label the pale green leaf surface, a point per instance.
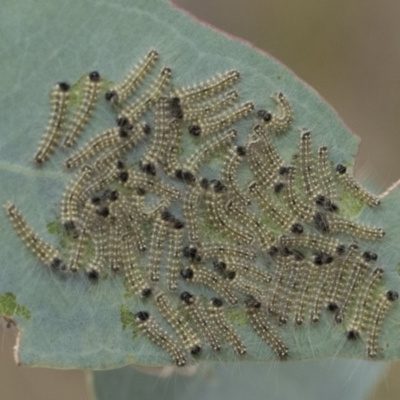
(308, 380)
(71, 322)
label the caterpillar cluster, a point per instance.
(266, 246)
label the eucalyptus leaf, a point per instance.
(67, 321)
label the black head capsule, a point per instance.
(146, 293)
(241, 151)
(273, 251)
(179, 174)
(140, 191)
(341, 249)
(94, 76)
(326, 203)
(71, 229)
(332, 307)
(128, 127)
(70, 226)
(123, 121)
(187, 297)
(119, 164)
(278, 187)
(186, 273)
(92, 275)
(297, 228)
(321, 222)
(370, 256)
(341, 169)
(167, 216)
(176, 108)
(123, 132)
(286, 252)
(231, 275)
(175, 102)
(177, 113)
(58, 264)
(352, 335)
(64, 86)
(195, 350)
(96, 200)
(123, 176)
(264, 115)
(204, 183)
(216, 302)
(322, 258)
(142, 316)
(179, 224)
(328, 259)
(283, 171)
(103, 212)
(257, 304)
(186, 251)
(320, 200)
(219, 266)
(392, 295)
(318, 259)
(194, 130)
(218, 186)
(252, 302)
(185, 176)
(332, 207)
(146, 129)
(113, 195)
(188, 177)
(111, 95)
(192, 253)
(148, 168)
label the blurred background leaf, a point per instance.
(307, 380)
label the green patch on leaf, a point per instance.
(9, 307)
(54, 228)
(351, 207)
(127, 318)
